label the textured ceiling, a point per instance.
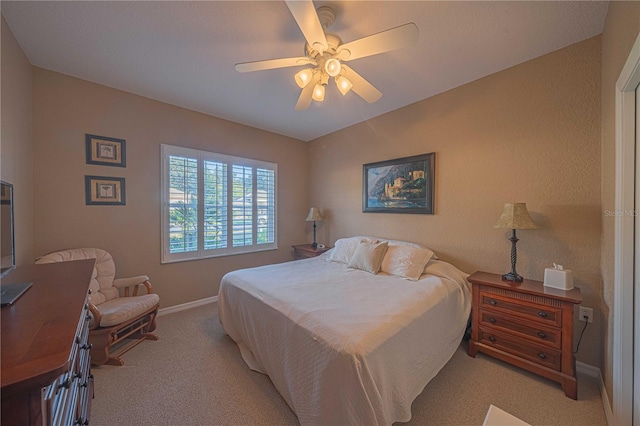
(184, 52)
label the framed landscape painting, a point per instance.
(402, 185)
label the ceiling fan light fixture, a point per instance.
(318, 93)
(344, 85)
(303, 77)
(332, 67)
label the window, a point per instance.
(215, 204)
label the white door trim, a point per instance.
(623, 335)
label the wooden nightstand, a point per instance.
(305, 251)
(527, 325)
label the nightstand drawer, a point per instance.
(534, 353)
(299, 254)
(521, 308)
(306, 251)
(522, 328)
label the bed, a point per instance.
(341, 344)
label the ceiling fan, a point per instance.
(325, 54)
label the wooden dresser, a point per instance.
(46, 377)
(527, 325)
(305, 251)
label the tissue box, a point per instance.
(562, 279)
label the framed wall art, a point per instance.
(104, 191)
(105, 151)
(402, 185)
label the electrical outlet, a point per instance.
(586, 312)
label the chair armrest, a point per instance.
(134, 282)
(95, 313)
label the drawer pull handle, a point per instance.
(542, 314)
(542, 355)
(493, 302)
(493, 339)
(492, 320)
(542, 334)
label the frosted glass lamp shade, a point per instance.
(344, 85)
(332, 67)
(318, 93)
(303, 77)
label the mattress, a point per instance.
(343, 346)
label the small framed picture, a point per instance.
(104, 191)
(105, 151)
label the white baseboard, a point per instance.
(592, 371)
(188, 305)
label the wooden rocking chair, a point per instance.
(117, 312)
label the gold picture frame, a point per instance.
(104, 191)
(105, 151)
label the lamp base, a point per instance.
(314, 244)
(512, 277)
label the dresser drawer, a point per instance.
(536, 353)
(66, 400)
(536, 332)
(549, 315)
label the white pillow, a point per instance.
(406, 261)
(406, 243)
(368, 256)
(344, 248)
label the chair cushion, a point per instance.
(104, 272)
(123, 309)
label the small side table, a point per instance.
(305, 251)
(527, 325)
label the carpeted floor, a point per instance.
(194, 375)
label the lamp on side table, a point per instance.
(314, 215)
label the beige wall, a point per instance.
(16, 145)
(620, 32)
(66, 108)
(528, 134)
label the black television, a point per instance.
(7, 239)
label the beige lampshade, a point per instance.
(314, 215)
(515, 216)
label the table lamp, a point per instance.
(314, 215)
(514, 216)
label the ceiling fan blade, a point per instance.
(361, 86)
(305, 96)
(273, 63)
(395, 38)
(304, 12)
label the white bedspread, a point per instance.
(343, 346)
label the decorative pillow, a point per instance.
(406, 261)
(406, 243)
(344, 248)
(368, 256)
